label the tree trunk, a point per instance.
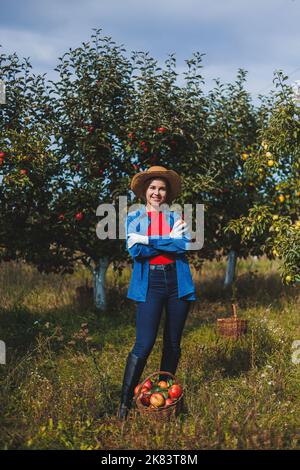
(99, 283)
(230, 268)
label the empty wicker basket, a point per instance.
(232, 327)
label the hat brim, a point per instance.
(137, 182)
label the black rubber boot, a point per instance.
(133, 371)
(169, 363)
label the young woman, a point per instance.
(157, 239)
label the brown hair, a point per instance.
(148, 181)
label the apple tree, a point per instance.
(91, 95)
(275, 161)
(27, 165)
(230, 130)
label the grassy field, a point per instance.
(60, 387)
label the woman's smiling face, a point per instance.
(156, 194)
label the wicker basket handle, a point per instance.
(161, 372)
(234, 308)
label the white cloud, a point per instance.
(28, 44)
(259, 36)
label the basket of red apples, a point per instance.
(159, 399)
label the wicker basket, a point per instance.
(163, 413)
(232, 327)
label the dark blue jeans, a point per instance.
(162, 292)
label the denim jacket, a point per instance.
(138, 222)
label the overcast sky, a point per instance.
(257, 35)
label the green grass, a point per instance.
(60, 387)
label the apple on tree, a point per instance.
(79, 216)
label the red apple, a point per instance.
(175, 391)
(148, 384)
(91, 129)
(145, 399)
(2, 154)
(23, 172)
(136, 389)
(130, 135)
(169, 401)
(142, 143)
(163, 384)
(143, 389)
(61, 216)
(157, 399)
(161, 129)
(145, 149)
(79, 216)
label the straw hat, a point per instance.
(137, 182)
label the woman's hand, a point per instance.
(179, 228)
(137, 238)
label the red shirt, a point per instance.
(159, 226)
